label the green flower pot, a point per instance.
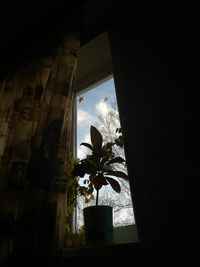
(98, 222)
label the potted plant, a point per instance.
(99, 168)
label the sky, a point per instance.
(96, 101)
(90, 104)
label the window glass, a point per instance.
(98, 106)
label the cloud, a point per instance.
(102, 107)
(82, 150)
(84, 116)
(109, 116)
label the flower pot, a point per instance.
(98, 222)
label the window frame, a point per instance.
(95, 76)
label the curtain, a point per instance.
(36, 106)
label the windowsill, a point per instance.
(100, 251)
(142, 254)
(125, 237)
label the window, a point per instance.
(96, 105)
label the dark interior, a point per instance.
(155, 72)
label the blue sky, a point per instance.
(95, 102)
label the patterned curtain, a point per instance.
(36, 106)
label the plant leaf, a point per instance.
(79, 170)
(104, 160)
(116, 160)
(102, 180)
(96, 138)
(97, 184)
(115, 185)
(106, 168)
(118, 174)
(87, 145)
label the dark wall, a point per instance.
(155, 76)
(30, 29)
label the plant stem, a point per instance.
(97, 198)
